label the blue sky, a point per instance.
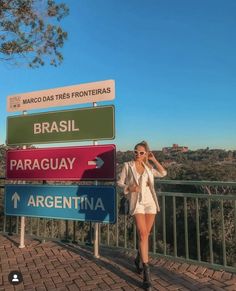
(173, 62)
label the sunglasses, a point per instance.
(140, 153)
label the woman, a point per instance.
(137, 181)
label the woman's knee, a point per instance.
(143, 234)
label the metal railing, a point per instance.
(209, 232)
(193, 227)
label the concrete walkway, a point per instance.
(57, 266)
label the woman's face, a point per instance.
(140, 153)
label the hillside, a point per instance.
(202, 164)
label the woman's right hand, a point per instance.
(134, 188)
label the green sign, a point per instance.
(94, 123)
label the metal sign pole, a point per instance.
(22, 220)
(22, 232)
(96, 226)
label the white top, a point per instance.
(145, 195)
(128, 177)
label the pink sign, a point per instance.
(66, 163)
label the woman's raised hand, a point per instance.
(151, 156)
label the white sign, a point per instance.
(63, 96)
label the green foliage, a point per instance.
(210, 165)
(29, 32)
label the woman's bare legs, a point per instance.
(150, 218)
(144, 223)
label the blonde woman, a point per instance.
(137, 181)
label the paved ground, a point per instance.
(56, 266)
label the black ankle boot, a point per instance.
(138, 263)
(146, 276)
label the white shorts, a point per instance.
(145, 208)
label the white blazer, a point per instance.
(128, 177)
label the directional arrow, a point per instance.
(15, 198)
(98, 162)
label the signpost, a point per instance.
(66, 163)
(83, 203)
(64, 96)
(61, 126)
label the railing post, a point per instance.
(198, 232)
(67, 231)
(186, 229)
(223, 231)
(4, 223)
(74, 241)
(117, 223)
(38, 226)
(108, 235)
(17, 225)
(135, 237)
(90, 233)
(31, 227)
(43, 239)
(164, 221)
(210, 230)
(10, 226)
(174, 226)
(52, 228)
(59, 229)
(125, 231)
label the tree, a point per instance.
(29, 32)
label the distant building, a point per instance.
(175, 148)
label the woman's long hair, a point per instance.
(147, 149)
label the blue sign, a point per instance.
(84, 203)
